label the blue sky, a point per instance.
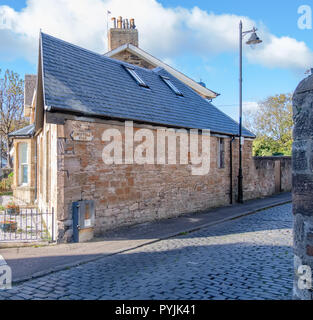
(201, 42)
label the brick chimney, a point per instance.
(123, 32)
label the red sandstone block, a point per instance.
(114, 184)
(93, 178)
(111, 198)
(120, 191)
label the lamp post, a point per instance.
(1, 152)
(254, 40)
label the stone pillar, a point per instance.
(303, 189)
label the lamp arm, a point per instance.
(249, 31)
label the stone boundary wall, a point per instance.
(268, 176)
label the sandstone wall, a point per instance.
(133, 59)
(25, 194)
(129, 194)
(47, 168)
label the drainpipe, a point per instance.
(231, 169)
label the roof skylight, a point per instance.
(137, 78)
(171, 85)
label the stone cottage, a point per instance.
(78, 95)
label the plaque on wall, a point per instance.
(81, 136)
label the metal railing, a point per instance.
(26, 225)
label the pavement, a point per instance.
(33, 262)
(249, 258)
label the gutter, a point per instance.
(24, 136)
(104, 117)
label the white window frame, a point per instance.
(137, 78)
(172, 86)
(22, 165)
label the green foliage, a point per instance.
(6, 184)
(272, 123)
(265, 147)
(11, 109)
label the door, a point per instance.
(277, 177)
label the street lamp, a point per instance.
(254, 40)
(1, 152)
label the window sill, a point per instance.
(23, 185)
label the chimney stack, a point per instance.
(122, 32)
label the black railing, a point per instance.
(26, 225)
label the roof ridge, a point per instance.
(122, 63)
(71, 44)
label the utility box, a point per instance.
(83, 220)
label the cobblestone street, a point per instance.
(247, 258)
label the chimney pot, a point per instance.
(132, 24)
(114, 22)
(119, 22)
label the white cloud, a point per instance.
(284, 52)
(164, 32)
(250, 106)
(81, 22)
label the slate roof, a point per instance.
(80, 81)
(25, 132)
(29, 88)
(153, 61)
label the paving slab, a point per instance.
(32, 262)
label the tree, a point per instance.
(11, 108)
(272, 123)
